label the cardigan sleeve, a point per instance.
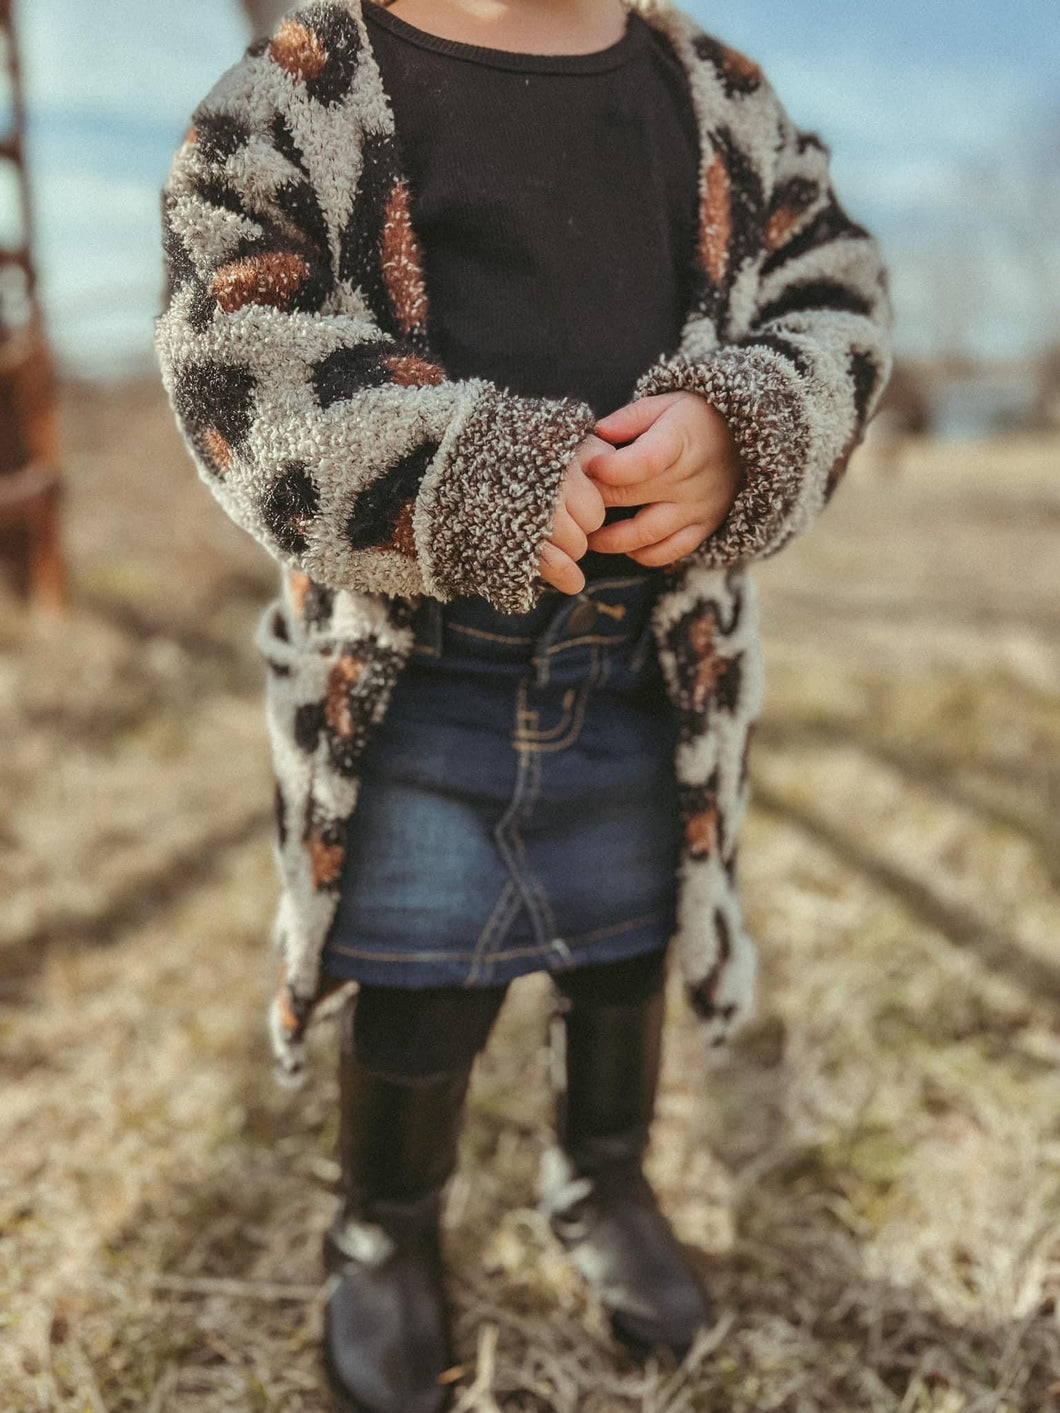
(292, 345)
(800, 382)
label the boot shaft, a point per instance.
(606, 1063)
(398, 1136)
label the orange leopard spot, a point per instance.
(403, 540)
(709, 665)
(740, 66)
(338, 710)
(715, 220)
(298, 585)
(325, 859)
(402, 267)
(284, 1010)
(701, 635)
(261, 279)
(701, 832)
(838, 468)
(220, 451)
(780, 226)
(410, 371)
(707, 673)
(297, 50)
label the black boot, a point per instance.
(386, 1324)
(593, 1189)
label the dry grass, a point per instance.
(871, 1181)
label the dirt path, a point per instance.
(873, 1178)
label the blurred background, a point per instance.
(873, 1177)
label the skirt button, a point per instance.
(582, 617)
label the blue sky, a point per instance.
(931, 109)
(916, 85)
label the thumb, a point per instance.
(633, 420)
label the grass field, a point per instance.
(871, 1180)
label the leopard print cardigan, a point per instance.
(293, 347)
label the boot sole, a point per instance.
(341, 1400)
(642, 1350)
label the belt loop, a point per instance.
(548, 634)
(428, 627)
(435, 625)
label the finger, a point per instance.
(583, 499)
(674, 547)
(653, 523)
(657, 454)
(559, 570)
(590, 446)
(636, 493)
(566, 534)
(634, 419)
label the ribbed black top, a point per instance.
(555, 197)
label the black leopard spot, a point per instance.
(738, 74)
(347, 370)
(785, 347)
(215, 403)
(288, 507)
(865, 374)
(814, 294)
(284, 142)
(220, 135)
(280, 807)
(360, 254)
(308, 724)
(318, 46)
(830, 223)
(376, 509)
(727, 690)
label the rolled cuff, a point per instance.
(482, 516)
(753, 389)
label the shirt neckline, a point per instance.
(595, 62)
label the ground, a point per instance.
(871, 1181)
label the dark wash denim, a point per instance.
(518, 805)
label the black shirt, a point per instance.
(555, 198)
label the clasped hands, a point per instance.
(674, 455)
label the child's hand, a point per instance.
(682, 466)
(579, 509)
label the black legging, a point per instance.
(399, 1030)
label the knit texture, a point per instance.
(294, 350)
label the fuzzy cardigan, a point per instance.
(293, 347)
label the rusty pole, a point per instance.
(30, 482)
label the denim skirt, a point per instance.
(518, 804)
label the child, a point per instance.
(514, 332)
